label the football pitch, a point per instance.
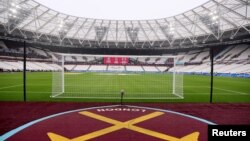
(105, 87)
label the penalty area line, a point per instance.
(10, 86)
(242, 93)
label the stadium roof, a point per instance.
(122, 9)
(210, 21)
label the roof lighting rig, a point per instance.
(16, 15)
(212, 22)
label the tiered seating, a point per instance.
(244, 55)
(245, 68)
(3, 46)
(223, 53)
(81, 68)
(16, 65)
(39, 52)
(134, 68)
(9, 66)
(55, 66)
(32, 66)
(232, 53)
(98, 68)
(80, 59)
(150, 69)
(189, 55)
(229, 68)
(69, 67)
(237, 51)
(116, 68)
(69, 59)
(200, 56)
(160, 61)
(233, 59)
(90, 58)
(45, 66)
(151, 60)
(162, 69)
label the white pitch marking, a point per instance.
(10, 86)
(242, 93)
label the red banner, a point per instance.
(115, 60)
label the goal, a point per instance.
(105, 76)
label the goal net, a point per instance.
(105, 76)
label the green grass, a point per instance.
(196, 88)
(108, 85)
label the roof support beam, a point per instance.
(194, 22)
(34, 8)
(133, 33)
(144, 32)
(231, 10)
(184, 26)
(6, 9)
(126, 35)
(243, 2)
(35, 19)
(47, 22)
(157, 36)
(231, 23)
(164, 33)
(59, 34)
(56, 26)
(73, 23)
(106, 40)
(116, 33)
(102, 33)
(85, 36)
(77, 31)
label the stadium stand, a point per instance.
(82, 68)
(134, 68)
(150, 69)
(234, 59)
(98, 67)
(116, 68)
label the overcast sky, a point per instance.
(122, 9)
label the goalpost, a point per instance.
(104, 76)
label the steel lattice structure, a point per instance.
(213, 21)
